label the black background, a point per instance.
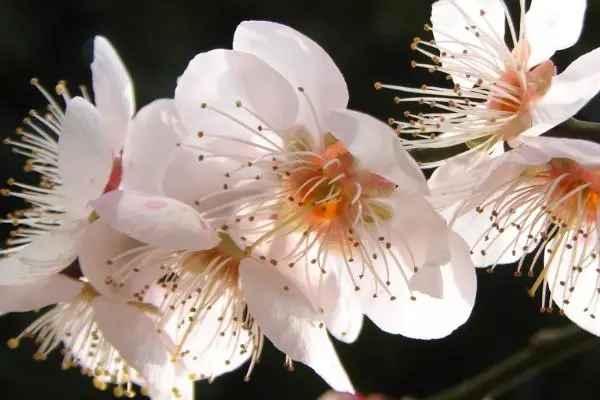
(369, 40)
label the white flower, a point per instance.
(540, 198)
(77, 154)
(336, 202)
(110, 340)
(501, 91)
(218, 302)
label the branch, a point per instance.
(548, 348)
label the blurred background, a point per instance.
(369, 40)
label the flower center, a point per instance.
(576, 194)
(518, 88)
(327, 192)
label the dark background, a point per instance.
(369, 40)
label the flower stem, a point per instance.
(577, 129)
(547, 348)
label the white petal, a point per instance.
(376, 149)
(418, 231)
(583, 151)
(449, 19)
(569, 92)
(430, 317)
(289, 320)
(38, 294)
(552, 25)
(301, 61)
(215, 342)
(428, 281)
(46, 255)
(319, 278)
(85, 159)
(187, 179)
(240, 93)
(520, 234)
(575, 293)
(151, 146)
(101, 243)
(457, 179)
(156, 220)
(133, 334)
(113, 91)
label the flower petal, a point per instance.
(230, 94)
(187, 179)
(85, 159)
(101, 255)
(155, 220)
(214, 343)
(301, 61)
(113, 91)
(46, 255)
(377, 149)
(449, 19)
(444, 312)
(418, 231)
(133, 333)
(552, 25)
(584, 152)
(38, 294)
(318, 277)
(574, 290)
(289, 320)
(150, 146)
(569, 92)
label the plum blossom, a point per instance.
(502, 91)
(77, 155)
(541, 199)
(112, 341)
(335, 202)
(218, 302)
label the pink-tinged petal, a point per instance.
(288, 318)
(430, 315)
(301, 61)
(574, 291)
(552, 25)
(38, 294)
(85, 158)
(376, 149)
(418, 231)
(449, 19)
(133, 333)
(47, 255)
(151, 146)
(155, 220)
(113, 91)
(583, 151)
(569, 92)
(104, 251)
(229, 93)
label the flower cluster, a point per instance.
(167, 244)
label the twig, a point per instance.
(548, 348)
